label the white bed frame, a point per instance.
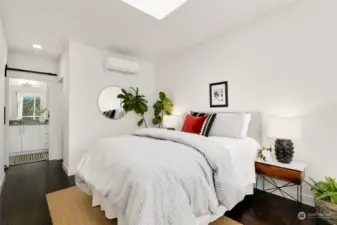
(112, 213)
(254, 131)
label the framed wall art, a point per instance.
(218, 93)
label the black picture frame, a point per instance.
(212, 104)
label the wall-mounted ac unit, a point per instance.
(122, 65)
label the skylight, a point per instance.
(156, 8)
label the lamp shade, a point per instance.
(284, 128)
(170, 121)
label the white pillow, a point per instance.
(234, 125)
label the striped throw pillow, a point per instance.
(208, 122)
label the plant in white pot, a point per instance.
(325, 194)
(44, 115)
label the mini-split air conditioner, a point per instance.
(122, 65)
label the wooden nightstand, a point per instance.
(292, 173)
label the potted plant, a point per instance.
(264, 153)
(134, 102)
(163, 105)
(325, 194)
(42, 112)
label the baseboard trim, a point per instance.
(65, 168)
(2, 181)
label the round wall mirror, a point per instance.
(109, 104)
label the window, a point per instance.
(31, 107)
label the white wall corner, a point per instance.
(2, 181)
(3, 61)
(71, 171)
(65, 168)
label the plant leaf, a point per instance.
(327, 194)
(334, 199)
(143, 107)
(130, 102)
(124, 91)
(316, 193)
(157, 111)
(168, 106)
(162, 96)
(313, 181)
(332, 183)
(140, 122)
(322, 186)
(130, 96)
(156, 120)
(310, 185)
(121, 96)
(142, 100)
(138, 110)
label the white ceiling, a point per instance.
(116, 25)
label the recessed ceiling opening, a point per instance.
(159, 9)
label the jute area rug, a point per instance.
(73, 207)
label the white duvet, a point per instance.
(159, 177)
(243, 153)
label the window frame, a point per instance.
(34, 96)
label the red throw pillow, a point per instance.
(193, 124)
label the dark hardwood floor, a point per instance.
(263, 209)
(23, 201)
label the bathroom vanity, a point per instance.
(27, 137)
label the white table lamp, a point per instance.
(170, 121)
(284, 130)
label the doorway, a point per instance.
(28, 121)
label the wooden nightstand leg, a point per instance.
(301, 193)
(257, 180)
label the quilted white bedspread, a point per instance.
(162, 177)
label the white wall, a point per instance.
(37, 63)
(3, 61)
(33, 62)
(64, 73)
(87, 79)
(55, 121)
(284, 64)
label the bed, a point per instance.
(180, 179)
